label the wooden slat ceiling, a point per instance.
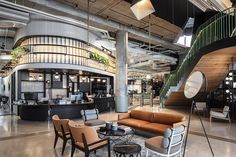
(119, 11)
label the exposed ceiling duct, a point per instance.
(57, 6)
(7, 32)
(135, 50)
(11, 24)
(15, 15)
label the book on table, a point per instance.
(124, 128)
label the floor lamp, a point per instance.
(193, 85)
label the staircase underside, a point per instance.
(215, 66)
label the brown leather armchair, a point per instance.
(61, 130)
(86, 139)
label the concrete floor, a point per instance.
(35, 139)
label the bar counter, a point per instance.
(70, 111)
(41, 112)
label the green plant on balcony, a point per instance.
(99, 58)
(17, 53)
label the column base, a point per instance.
(122, 103)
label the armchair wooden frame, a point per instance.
(86, 149)
(78, 136)
(65, 136)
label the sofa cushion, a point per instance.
(167, 118)
(142, 115)
(156, 127)
(136, 123)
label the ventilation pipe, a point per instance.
(7, 33)
(15, 15)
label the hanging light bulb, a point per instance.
(227, 82)
(148, 76)
(230, 78)
(230, 73)
(40, 77)
(56, 76)
(31, 78)
(227, 91)
(99, 80)
(227, 78)
(72, 77)
(104, 81)
(91, 79)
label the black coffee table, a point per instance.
(116, 135)
(131, 149)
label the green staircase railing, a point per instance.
(220, 26)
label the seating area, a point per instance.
(86, 137)
(117, 78)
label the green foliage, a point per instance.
(97, 57)
(17, 53)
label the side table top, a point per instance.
(127, 148)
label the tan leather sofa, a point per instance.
(154, 122)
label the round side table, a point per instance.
(129, 149)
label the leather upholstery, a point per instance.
(90, 134)
(135, 123)
(142, 115)
(167, 118)
(156, 127)
(58, 122)
(149, 121)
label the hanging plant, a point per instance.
(17, 53)
(95, 56)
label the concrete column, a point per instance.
(121, 71)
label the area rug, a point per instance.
(136, 139)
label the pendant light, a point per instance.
(142, 8)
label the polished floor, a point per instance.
(35, 139)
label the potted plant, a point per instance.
(17, 53)
(99, 58)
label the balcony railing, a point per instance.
(220, 26)
(63, 58)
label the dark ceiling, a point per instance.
(174, 11)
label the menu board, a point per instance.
(27, 86)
